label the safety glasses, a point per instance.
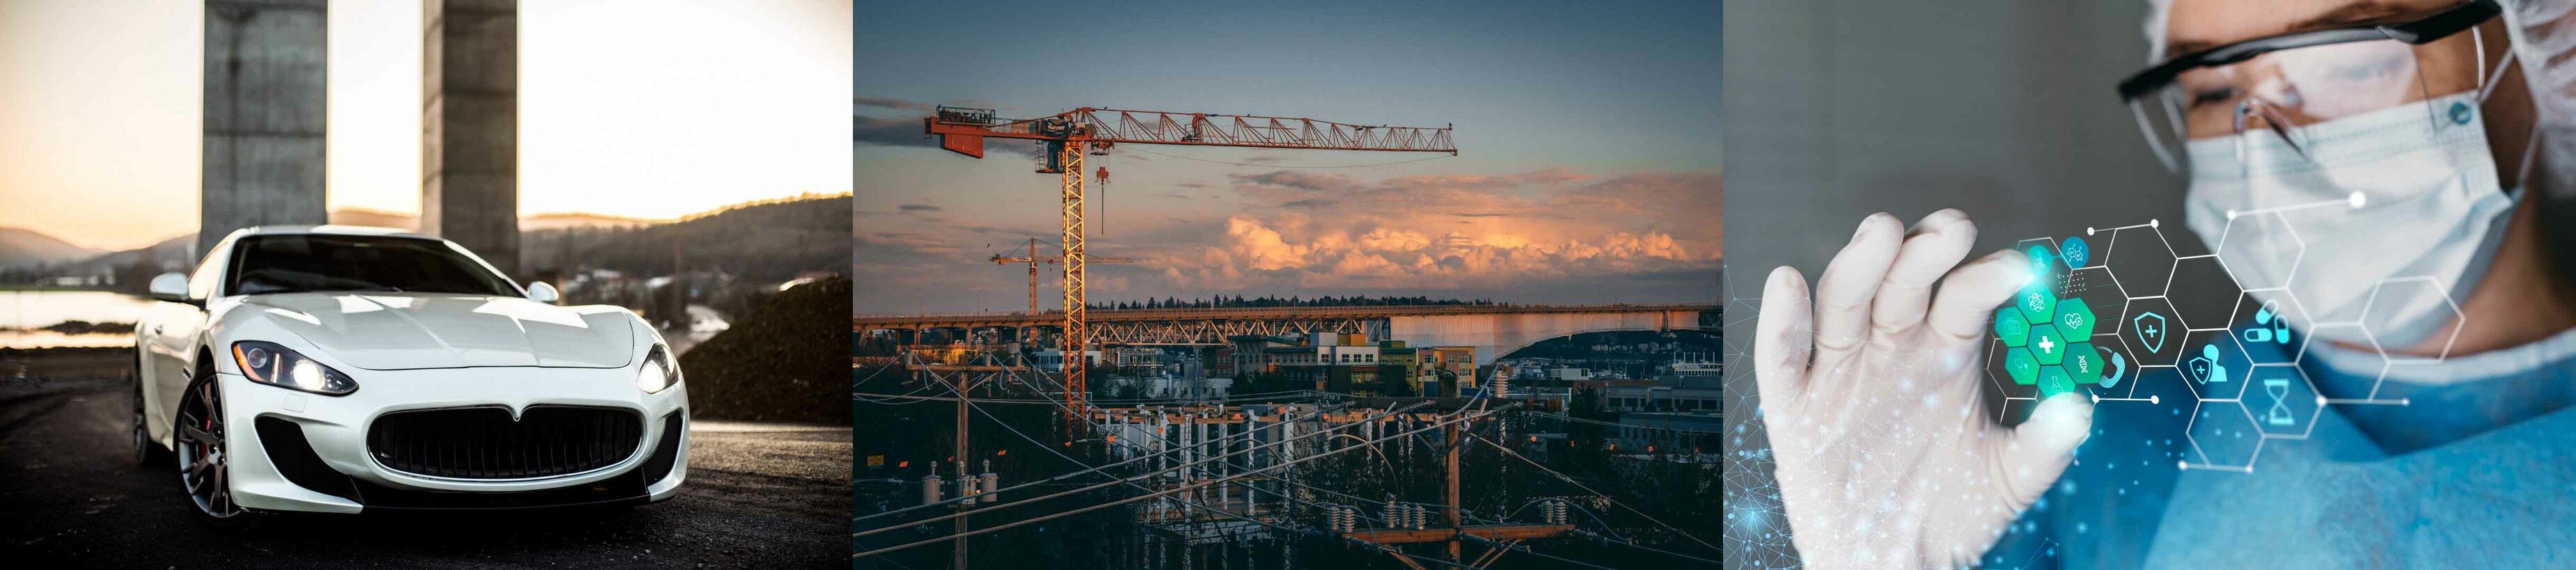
(2283, 83)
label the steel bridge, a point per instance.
(1495, 330)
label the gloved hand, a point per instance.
(1885, 456)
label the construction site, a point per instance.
(1041, 439)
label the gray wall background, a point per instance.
(1836, 109)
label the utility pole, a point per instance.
(957, 559)
(961, 379)
(1452, 491)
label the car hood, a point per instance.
(404, 331)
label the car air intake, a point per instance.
(484, 442)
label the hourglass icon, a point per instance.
(2279, 415)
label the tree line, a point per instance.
(1239, 301)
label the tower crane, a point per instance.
(1033, 259)
(1069, 135)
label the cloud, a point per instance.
(1552, 235)
(888, 132)
(1329, 231)
(895, 104)
(920, 208)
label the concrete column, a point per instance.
(264, 116)
(469, 188)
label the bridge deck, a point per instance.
(1022, 319)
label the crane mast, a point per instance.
(1071, 135)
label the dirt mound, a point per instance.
(781, 363)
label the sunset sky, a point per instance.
(648, 108)
(1588, 169)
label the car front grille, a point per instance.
(484, 442)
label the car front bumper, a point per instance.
(299, 451)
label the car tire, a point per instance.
(147, 453)
(200, 433)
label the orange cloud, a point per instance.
(1327, 231)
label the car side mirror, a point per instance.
(543, 292)
(170, 287)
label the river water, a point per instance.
(24, 315)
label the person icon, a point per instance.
(2206, 367)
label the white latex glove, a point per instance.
(1885, 457)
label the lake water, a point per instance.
(24, 313)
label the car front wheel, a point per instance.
(204, 457)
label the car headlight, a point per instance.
(268, 363)
(658, 372)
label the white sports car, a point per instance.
(340, 369)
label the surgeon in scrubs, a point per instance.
(2368, 170)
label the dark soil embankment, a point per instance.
(781, 363)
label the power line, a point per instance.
(1479, 400)
(1318, 413)
(1587, 489)
(1183, 488)
(1138, 477)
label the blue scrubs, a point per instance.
(2479, 470)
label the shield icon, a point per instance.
(2151, 330)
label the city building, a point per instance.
(1348, 363)
(1651, 397)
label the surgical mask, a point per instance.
(2382, 220)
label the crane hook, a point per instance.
(1103, 175)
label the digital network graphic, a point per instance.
(2121, 316)
(2048, 341)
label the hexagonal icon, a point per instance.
(2048, 344)
(2117, 367)
(2201, 292)
(2011, 327)
(2151, 332)
(2084, 363)
(2054, 380)
(2141, 258)
(2023, 368)
(2042, 263)
(2252, 249)
(2266, 325)
(2214, 366)
(2406, 317)
(2281, 400)
(2037, 303)
(2074, 251)
(2075, 319)
(2223, 435)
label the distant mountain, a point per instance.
(23, 247)
(171, 254)
(529, 223)
(377, 218)
(761, 241)
(570, 220)
(768, 241)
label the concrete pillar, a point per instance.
(469, 163)
(264, 116)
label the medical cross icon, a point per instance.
(2151, 331)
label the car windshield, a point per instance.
(293, 263)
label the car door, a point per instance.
(175, 327)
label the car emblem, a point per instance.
(2151, 331)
